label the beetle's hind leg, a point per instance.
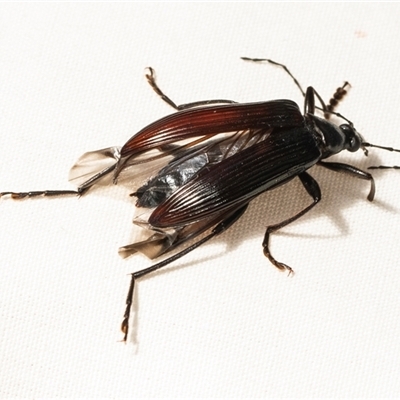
(312, 187)
(151, 78)
(82, 189)
(225, 223)
(47, 193)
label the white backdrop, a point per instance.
(221, 321)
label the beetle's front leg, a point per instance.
(352, 171)
(312, 187)
(151, 78)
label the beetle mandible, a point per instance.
(191, 183)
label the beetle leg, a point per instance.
(82, 189)
(155, 267)
(312, 187)
(353, 171)
(152, 82)
(220, 228)
(48, 193)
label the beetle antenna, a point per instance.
(333, 102)
(279, 65)
(336, 98)
(364, 145)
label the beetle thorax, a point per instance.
(335, 138)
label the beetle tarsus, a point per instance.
(44, 193)
(124, 329)
(151, 79)
(281, 266)
(129, 301)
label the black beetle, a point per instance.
(202, 165)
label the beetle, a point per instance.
(196, 171)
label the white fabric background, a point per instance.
(221, 321)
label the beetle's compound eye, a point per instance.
(353, 138)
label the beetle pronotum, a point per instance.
(192, 183)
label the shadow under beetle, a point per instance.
(197, 170)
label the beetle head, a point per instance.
(353, 140)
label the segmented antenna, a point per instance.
(335, 99)
(328, 110)
(366, 144)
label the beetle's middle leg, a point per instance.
(312, 187)
(152, 82)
